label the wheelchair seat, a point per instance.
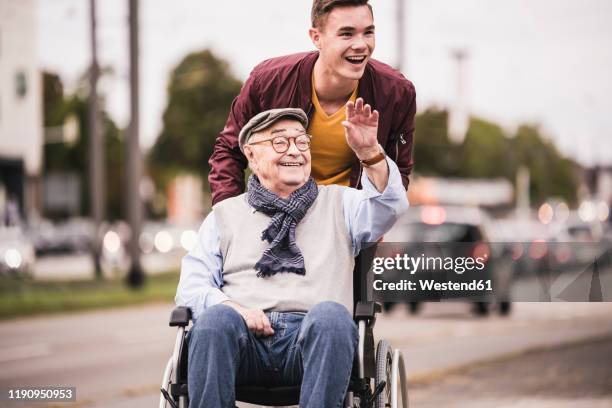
(382, 366)
(273, 396)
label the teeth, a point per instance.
(355, 58)
(291, 164)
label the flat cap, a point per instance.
(266, 119)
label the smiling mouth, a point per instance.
(291, 164)
(356, 60)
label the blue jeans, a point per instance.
(314, 349)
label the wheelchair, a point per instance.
(378, 377)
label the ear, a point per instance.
(315, 37)
(250, 155)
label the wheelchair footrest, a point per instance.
(379, 388)
(361, 388)
(168, 398)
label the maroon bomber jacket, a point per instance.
(287, 82)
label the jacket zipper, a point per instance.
(400, 139)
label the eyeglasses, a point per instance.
(280, 144)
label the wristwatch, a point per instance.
(373, 160)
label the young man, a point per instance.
(321, 83)
(269, 280)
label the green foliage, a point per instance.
(53, 100)
(64, 157)
(20, 298)
(434, 154)
(487, 152)
(551, 174)
(200, 92)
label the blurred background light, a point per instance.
(112, 242)
(188, 239)
(517, 251)
(603, 211)
(545, 213)
(538, 249)
(587, 211)
(12, 258)
(433, 215)
(163, 241)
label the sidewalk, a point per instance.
(446, 337)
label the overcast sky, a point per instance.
(537, 61)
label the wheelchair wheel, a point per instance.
(384, 362)
(390, 368)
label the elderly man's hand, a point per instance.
(361, 128)
(255, 319)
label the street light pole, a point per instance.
(97, 188)
(459, 117)
(135, 276)
(400, 34)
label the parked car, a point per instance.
(464, 231)
(74, 235)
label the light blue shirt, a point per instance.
(368, 215)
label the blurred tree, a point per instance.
(434, 154)
(488, 152)
(73, 157)
(53, 103)
(551, 174)
(200, 92)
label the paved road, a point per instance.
(577, 376)
(115, 358)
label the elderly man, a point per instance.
(270, 280)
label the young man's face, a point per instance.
(346, 40)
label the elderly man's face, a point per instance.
(281, 173)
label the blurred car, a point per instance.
(465, 226)
(577, 242)
(526, 241)
(17, 255)
(74, 235)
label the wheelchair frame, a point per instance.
(366, 387)
(360, 394)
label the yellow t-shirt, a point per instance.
(331, 155)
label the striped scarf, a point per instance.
(283, 254)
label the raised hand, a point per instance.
(361, 128)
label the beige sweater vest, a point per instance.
(323, 238)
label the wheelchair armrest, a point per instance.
(367, 311)
(181, 315)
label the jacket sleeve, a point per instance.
(227, 163)
(402, 130)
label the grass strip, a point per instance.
(20, 298)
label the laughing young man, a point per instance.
(321, 83)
